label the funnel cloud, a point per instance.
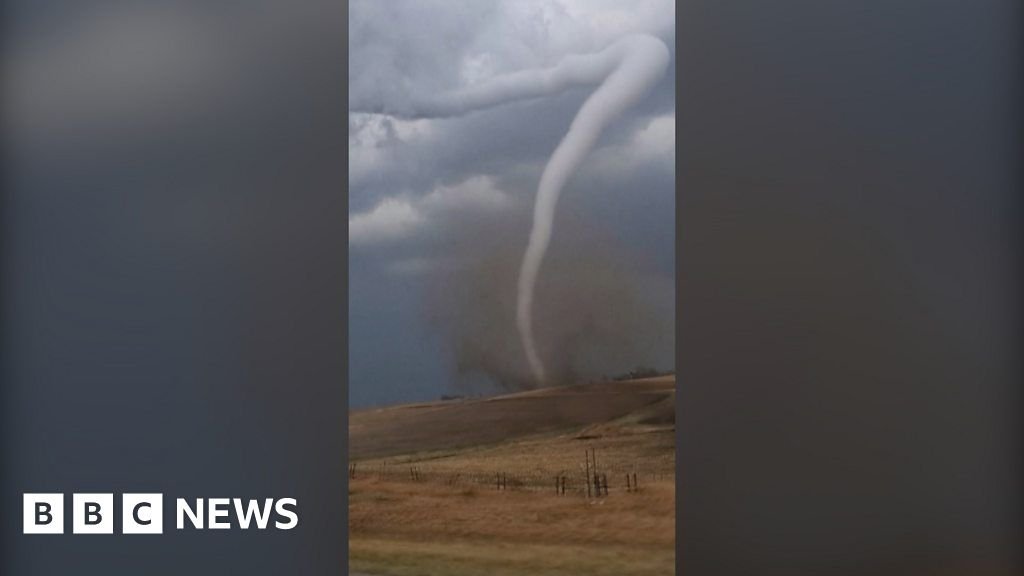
(625, 72)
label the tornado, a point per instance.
(624, 72)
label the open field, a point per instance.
(469, 487)
(452, 424)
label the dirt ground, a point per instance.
(493, 508)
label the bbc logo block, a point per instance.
(43, 513)
(142, 514)
(93, 514)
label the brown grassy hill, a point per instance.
(424, 496)
(449, 425)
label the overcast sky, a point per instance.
(439, 208)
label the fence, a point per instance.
(591, 480)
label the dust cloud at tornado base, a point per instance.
(600, 311)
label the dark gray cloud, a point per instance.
(440, 209)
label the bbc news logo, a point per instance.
(143, 513)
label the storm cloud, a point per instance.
(436, 202)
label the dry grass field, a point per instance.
(469, 486)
